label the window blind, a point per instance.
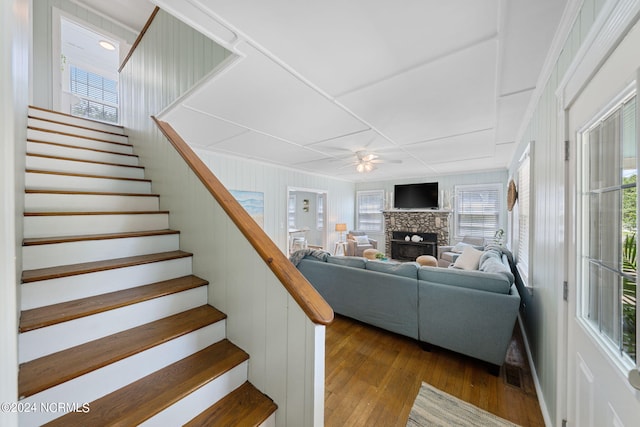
(477, 210)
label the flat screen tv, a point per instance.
(416, 196)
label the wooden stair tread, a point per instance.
(92, 267)
(81, 127)
(80, 213)
(75, 135)
(71, 159)
(33, 241)
(48, 371)
(60, 113)
(139, 401)
(53, 314)
(57, 144)
(245, 403)
(87, 193)
(86, 175)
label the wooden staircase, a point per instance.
(114, 328)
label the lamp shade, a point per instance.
(341, 227)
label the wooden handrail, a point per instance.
(311, 302)
(139, 38)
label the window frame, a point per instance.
(498, 188)
(613, 349)
(360, 214)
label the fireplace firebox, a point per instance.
(408, 250)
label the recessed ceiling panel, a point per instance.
(368, 140)
(453, 95)
(253, 145)
(529, 27)
(261, 95)
(200, 129)
(511, 110)
(455, 148)
(342, 45)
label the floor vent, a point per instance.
(513, 375)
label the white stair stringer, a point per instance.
(54, 291)
(51, 339)
(74, 224)
(54, 201)
(100, 382)
(42, 180)
(76, 252)
(61, 150)
(55, 116)
(72, 166)
(71, 130)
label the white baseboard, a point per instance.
(534, 374)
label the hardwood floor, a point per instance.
(373, 377)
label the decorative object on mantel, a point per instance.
(512, 195)
(415, 238)
(407, 238)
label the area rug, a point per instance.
(434, 407)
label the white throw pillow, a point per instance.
(362, 240)
(469, 259)
(459, 247)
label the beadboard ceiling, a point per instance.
(433, 87)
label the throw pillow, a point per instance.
(459, 247)
(469, 259)
(362, 240)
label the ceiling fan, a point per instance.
(366, 162)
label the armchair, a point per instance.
(358, 242)
(447, 255)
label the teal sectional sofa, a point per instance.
(472, 312)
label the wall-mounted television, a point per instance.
(416, 196)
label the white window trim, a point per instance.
(371, 192)
(497, 186)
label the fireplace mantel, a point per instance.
(416, 221)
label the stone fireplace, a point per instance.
(433, 224)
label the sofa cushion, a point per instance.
(405, 269)
(348, 261)
(478, 280)
(469, 259)
(492, 261)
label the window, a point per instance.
(98, 96)
(291, 211)
(522, 248)
(369, 210)
(609, 224)
(477, 210)
(320, 211)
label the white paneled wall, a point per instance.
(446, 185)
(544, 310)
(14, 68)
(287, 350)
(273, 181)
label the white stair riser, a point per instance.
(185, 409)
(75, 130)
(52, 115)
(98, 383)
(49, 202)
(75, 225)
(80, 154)
(44, 341)
(76, 141)
(54, 291)
(51, 255)
(70, 166)
(45, 181)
